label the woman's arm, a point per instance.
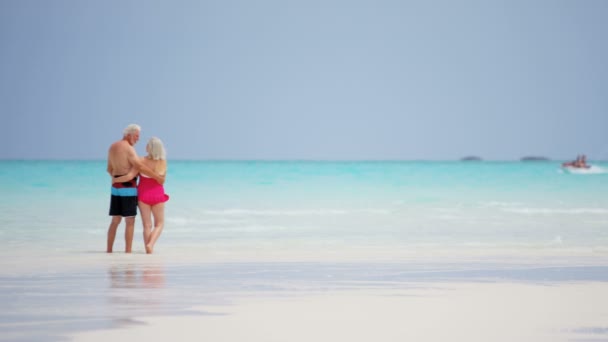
(162, 170)
(134, 171)
(161, 173)
(143, 168)
(148, 171)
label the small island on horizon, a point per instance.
(471, 158)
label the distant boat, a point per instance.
(573, 165)
(534, 158)
(579, 163)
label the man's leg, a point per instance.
(112, 232)
(129, 230)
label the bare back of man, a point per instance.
(119, 158)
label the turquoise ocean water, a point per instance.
(300, 210)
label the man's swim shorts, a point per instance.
(124, 199)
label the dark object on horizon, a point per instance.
(534, 158)
(579, 163)
(471, 158)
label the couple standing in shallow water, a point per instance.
(124, 166)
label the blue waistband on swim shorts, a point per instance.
(124, 192)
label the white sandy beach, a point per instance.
(474, 311)
(120, 297)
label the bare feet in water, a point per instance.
(149, 249)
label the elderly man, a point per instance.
(122, 158)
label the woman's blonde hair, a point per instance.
(156, 149)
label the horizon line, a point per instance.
(522, 159)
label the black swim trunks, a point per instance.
(124, 199)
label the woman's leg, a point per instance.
(158, 211)
(146, 218)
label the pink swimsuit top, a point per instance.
(150, 191)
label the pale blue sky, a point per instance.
(305, 79)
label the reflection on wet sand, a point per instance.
(136, 290)
(137, 276)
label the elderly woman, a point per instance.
(150, 193)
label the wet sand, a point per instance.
(95, 296)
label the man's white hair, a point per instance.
(156, 149)
(129, 130)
